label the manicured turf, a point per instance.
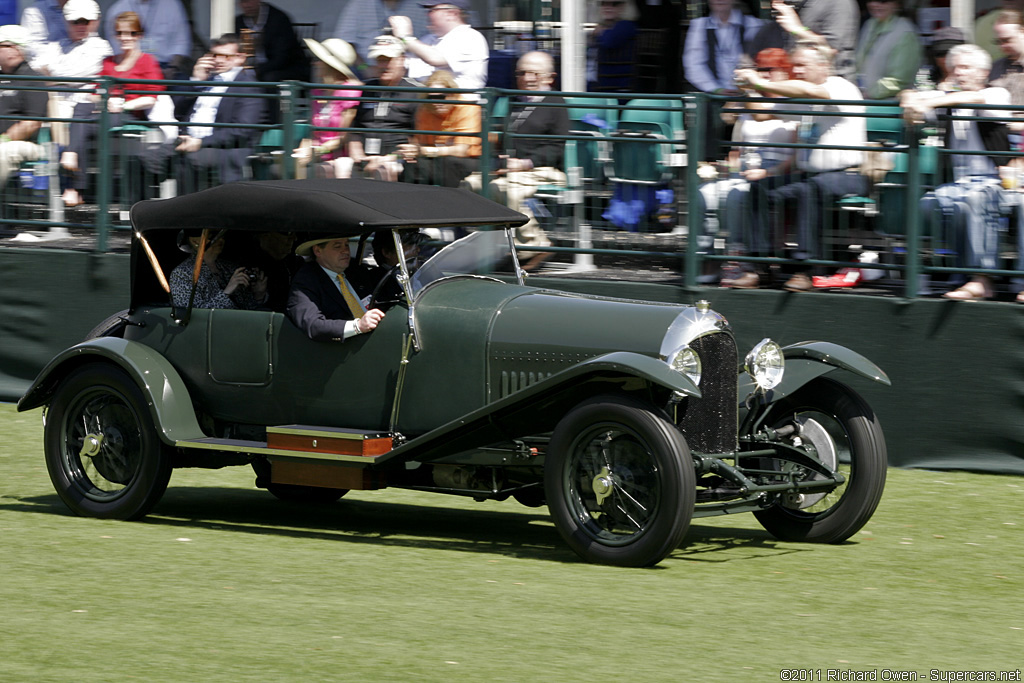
(224, 583)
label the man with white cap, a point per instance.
(371, 146)
(322, 303)
(81, 54)
(452, 44)
(16, 136)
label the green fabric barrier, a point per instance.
(957, 369)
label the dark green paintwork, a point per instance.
(166, 393)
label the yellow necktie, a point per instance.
(353, 303)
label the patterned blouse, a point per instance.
(210, 286)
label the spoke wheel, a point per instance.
(619, 482)
(839, 428)
(102, 451)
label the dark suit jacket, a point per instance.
(248, 110)
(527, 120)
(315, 304)
(286, 59)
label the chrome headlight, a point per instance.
(685, 361)
(765, 364)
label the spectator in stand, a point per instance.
(663, 17)
(828, 23)
(441, 158)
(17, 137)
(452, 45)
(373, 149)
(613, 48)
(530, 162)
(203, 148)
(44, 21)
(730, 195)
(715, 45)
(984, 28)
(80, 55)
(820, 174)
(943, 41)
(969, 206)
(888, 51)
(132, 63)
(334, 58)
(277, 53)
(361, 21)
(168, 32)
(1010, 38)
(712, 52)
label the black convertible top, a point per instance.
(343, 207)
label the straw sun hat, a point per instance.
(335, 53)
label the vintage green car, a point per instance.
(627, 418)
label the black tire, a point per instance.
(103, 453)
(620, 482)
(310, 495)
(844, 430)
(111, 327)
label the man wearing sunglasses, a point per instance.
(452, 44)
(81, 54)
(17, 136)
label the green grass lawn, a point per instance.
(223, 582)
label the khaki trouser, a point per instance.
(513, 190)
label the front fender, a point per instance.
(538, 407)
(168, 398)
(810, 359)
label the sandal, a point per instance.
(975, 290)
(1020, 297)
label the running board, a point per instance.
(350, 446)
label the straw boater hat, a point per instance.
(306, 248)
(335, 53)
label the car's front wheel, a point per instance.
(619, 481)
(838, 428)
(102, 450)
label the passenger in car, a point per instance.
(221, 283)
(322, 303)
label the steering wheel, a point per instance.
(375, 300)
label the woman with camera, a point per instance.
(219, 283)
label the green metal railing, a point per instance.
(293, 106)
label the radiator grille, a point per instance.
(709, 423)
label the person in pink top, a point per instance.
(326, 148)
(133, 101)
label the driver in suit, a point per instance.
(322, 302)
(366, 278)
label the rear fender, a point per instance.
(168, 398)
(807, 360)
(517, 414)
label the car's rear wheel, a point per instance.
(842, 432)
(102, 450)
(619, 482)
